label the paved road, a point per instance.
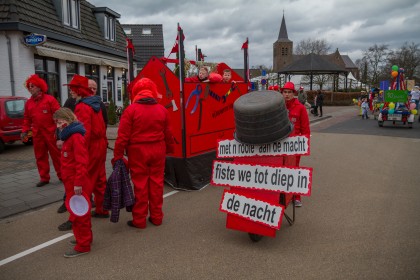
(361, 222)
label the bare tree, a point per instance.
(316, 46)
(406, 57)
(319, 80)
(376, 59)
(363, 66)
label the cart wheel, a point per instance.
(255, 237)
(381, 124)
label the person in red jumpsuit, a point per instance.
(299, 117)
(88, 111)
(145, 133)
(74, 166)
(38, 116)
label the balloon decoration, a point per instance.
(391, 105)
(394, 68)
(381, 106)
(412, 106)
(414, 112)
(391, 111)
(394, 74)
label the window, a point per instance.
(47, 68)
(109, 28)
(127, 31)
(146, 31)
(92, 72)
(71, 70)
(110, 84)
(71, 13)
(15, 108)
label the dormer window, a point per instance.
(146, 31)
(71, 13)
(107, 19)
(127, 31)
(109, 28)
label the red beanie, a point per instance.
(38, 82)
(80, 85)
(144, 88)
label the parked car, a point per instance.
(11, 120)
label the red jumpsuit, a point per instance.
(74, 163)
(299, 117)
(38, 116)
(145, 133)
(96, 144)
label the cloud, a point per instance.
(219, 27)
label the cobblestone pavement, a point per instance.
(19, 175)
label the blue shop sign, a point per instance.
(35, 39)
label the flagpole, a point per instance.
(246, 61)
(181, 88)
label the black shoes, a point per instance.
(41, 184)
(96, 215)
(65, 226)
(62, 208)
(130, 223)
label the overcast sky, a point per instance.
(219, 27)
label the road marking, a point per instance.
(34, 249)
(170, 193)
(51, 242)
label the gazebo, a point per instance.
(312, 64)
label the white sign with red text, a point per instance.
(296, 180)
(296, 145)
(252, 209)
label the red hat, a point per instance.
(79, 85)
(276, 87)
(79, 205)
(144, 88)
(37, 81)
(288, 85)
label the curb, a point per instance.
(319, 119)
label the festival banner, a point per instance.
(296, 145)
(252, 209)
(294, 180)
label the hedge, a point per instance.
(334, 98)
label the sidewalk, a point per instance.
(19, 194)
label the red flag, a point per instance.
(130, 45)
(174, 48)
(245, 45)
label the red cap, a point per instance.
(289, 85)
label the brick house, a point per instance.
(79, 38)
(147, 41)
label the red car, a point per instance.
(11, 120)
